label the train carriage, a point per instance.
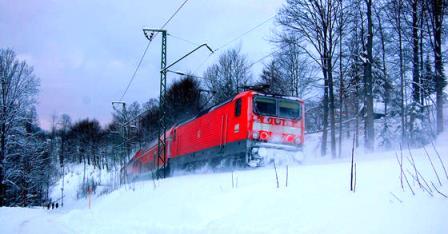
(233, 133)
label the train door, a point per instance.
(169, 143)
(224, 126)
(236, 124)
(173, 145)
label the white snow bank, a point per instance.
(317, 200)
(30, 220)
(73, 180)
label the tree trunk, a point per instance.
(402, 107)
(422, 18)
(328, 51)
(332, 107)
(384, 68)
(323, 151)
(415, 66)
(368, 86)
(341, 82)
(2, 163)
(3, 145)
(416, 49)
(438, 63)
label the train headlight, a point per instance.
(298, 140)
(255, 135)
(264, 136)
(290, 138)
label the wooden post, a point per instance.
(276, 175)
(233, 184)
(354, 183)
(89, 192)
(351, 168)
(401, 167)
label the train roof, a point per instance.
(213, 107)
(236, 96)
(279, 96)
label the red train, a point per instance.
(229, 134)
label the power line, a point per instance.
(183, 39)
(245, 33)
(250, 65)
(235, 39)
(262, 58)
(135, 71)
(174, 14)
(188, 75)
(203, 62)
(193, 43)
(146, 49)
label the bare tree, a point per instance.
(437, 12)
(272, 76)
(395, 15)
(343, 18)
(227, 77)
(315, 23)
(386, 83)
(296, 69)
(18, 88)
(354, 73)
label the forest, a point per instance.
(369, 71)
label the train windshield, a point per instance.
(265, 106)
(277, 107)
(288, 109)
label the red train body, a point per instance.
(229, 134)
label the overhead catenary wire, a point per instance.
(135, 71)
(250, 65)
(203, 62)
(183, 39)
(146, 49)
(262, 58)
(245, 33)
(234, 40)
(193, 43)
(174, 14)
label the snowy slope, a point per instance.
(74, 176)
(317, 200)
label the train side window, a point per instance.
(238, 107)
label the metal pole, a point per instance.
(124, 144)
(186, 55)
(161, 161)
(62, 189)
(161, 156)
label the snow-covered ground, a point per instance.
(316, 200)
(74, 176)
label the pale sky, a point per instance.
(85, 51)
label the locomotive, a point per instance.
(235, 133)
